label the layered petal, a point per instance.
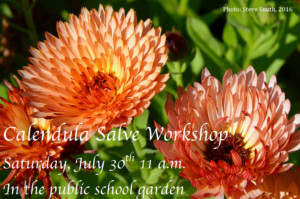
(29, 146)
(282, 185)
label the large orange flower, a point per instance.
(260, 135)
(282, 185)
(29, 146)
(102, 70)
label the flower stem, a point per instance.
(29, 21)
(170, 90)
(178, 74)
(136, 143)
(138, 148)
(19, 28)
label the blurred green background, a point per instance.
(218, 40)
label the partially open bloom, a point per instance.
(282, 185)
(230, 136)
(102, 70)
(29, 146)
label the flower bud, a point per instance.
(178, 46)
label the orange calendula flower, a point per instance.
(282, 185)
(102, 70)
(32, 147)
(229, 137)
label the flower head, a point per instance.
(101, 71)
(282, 185)
(231, 135)
(28, 146)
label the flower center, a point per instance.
(104, 87)
(35, 137)
(232, 142)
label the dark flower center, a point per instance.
(73, 148)
(35, 137)
(104, 82)
(103, 87)
(232, 142)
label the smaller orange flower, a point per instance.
(282, 185)
(29, 145)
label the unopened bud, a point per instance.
(178, 46)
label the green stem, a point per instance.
(29, 21)
(33, 4)
(183, 5)
(170, 90)
(138, 149)
(178, 74)
(19, 28)
(136, 143)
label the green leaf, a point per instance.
(263, 48)
(183, 67)
(230, 55)
(132, 165)
(286, 42)
(148, 151)
(274, 67)
(142, 138)
(119, 177)
(229, 35)
(257, 3)
(93, 142)
(241, 17)
(114, 137)
(170, 90)
(13, 81)
(197, 63)
(154, 176)
(243, 31)
(141, 122)
(65, 15)
(171, 67)
(157, 106)
(3, 93)
(188, 189)
(201, 34)
(5, 10)
(212, 16)
(240, 20)
(170, 6)
(202, 37)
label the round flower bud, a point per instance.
(177, 45)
